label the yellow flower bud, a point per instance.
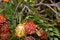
(20, 30)
(25, 0)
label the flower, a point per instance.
(4, 28)
(4, 36)
(4, 31)
(6, 1)
(20, 30)
(42, 34)
(2, 19)
(30, 27)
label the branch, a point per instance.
(15, 10)
(51, 1)
(42, 1)
(23, 9)
(55, 4)
(53, 10)
(49, 5)
(16, 7)
(26, 8)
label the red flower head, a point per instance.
(4, 36)
(42, 34)
(4, 28)
(29, 38)
(4, 32)
(30, 28)
(2, 19)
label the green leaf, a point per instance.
(51, 38)
(56, 39)
(21, 17)
(50, 29)
(1, 10)
(58, 8)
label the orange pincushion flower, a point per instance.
(43, 34)
(6, 1)
(30, 27)
(4, 29)
(2, 19)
